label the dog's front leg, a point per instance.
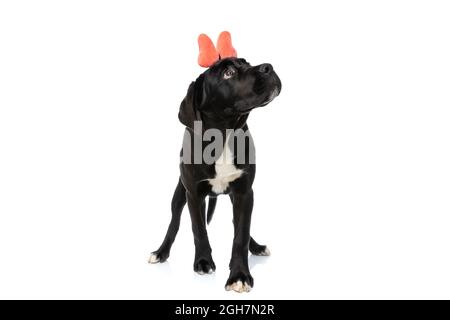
(240, 279)
(203, 263)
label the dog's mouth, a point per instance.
(266, 89)
(275, 82)
(275, 92)
(270, 97)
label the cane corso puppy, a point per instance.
(221, 98)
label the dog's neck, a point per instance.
(233, 122)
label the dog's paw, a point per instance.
(158, 257)
(262, 251)
(239, 287)
(240, 283)
(204, 266)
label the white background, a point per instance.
(353, 182)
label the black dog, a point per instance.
(221, 98)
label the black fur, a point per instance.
(222, 104)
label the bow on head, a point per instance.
(208, 54)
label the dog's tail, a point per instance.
(211, 207)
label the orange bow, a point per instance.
(208, 54)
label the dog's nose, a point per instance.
(265, 68)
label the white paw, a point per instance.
(211, 271)
(153, 259)
(265, 253)
(239, 287)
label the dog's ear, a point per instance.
(191, 104)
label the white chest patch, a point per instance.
(226, 171)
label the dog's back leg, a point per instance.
(255, 248)
(178, 203)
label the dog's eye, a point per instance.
(230, 72)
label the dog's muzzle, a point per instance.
(270, 81)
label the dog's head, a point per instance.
(228, 89)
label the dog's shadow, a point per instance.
(163, 268)
(253, 260)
